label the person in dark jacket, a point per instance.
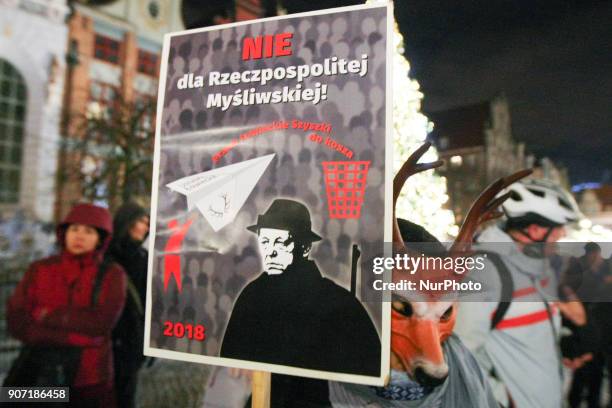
(52, 305)
(290, 314)
(131, 225)
(590, 277)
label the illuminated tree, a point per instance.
(424, 194)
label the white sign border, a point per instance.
(383, 378)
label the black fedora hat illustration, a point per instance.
(287, 215)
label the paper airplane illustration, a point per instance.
(220, 193)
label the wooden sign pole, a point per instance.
(260, 389)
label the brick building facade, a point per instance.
(115, 56)
(117, 50)
(56, 66)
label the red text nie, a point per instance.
(266, 46)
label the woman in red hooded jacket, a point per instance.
(52, 305)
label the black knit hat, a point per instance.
(591, 247)
(287, 215)
(125, 217)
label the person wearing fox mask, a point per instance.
(430, 367)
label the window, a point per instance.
(13, 98)
(106, 49)
(471, 160)
(147, 62)
(443, 143)
(154, 9)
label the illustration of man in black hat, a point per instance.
(290, 314)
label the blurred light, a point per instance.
(585, 186)
(585, 223)
(453, 230)
(598, 229)
(88, 165)
(456, 160)
(94, 110)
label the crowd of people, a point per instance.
(80, 313)
(590, 277)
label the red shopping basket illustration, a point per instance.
(345, 182)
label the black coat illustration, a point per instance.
(290, 314)
(302, 319)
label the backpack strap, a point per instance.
(135, 296)
(97, 287)
(507, 287)
(556, 336)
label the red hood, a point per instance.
(88, 214)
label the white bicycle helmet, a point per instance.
(540, 202)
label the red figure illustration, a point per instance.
(172, 261)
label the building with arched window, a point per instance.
(56, 63)
(13, 102)
(32, 53)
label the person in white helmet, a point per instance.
(515, 336)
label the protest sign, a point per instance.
(271, 176)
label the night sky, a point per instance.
(552, 60)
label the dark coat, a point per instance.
(127, 252)
(301, 319)
(128, 336)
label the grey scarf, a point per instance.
(465, 387)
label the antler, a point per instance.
(409, 168)
(484, 209)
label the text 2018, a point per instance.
(180, 330)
